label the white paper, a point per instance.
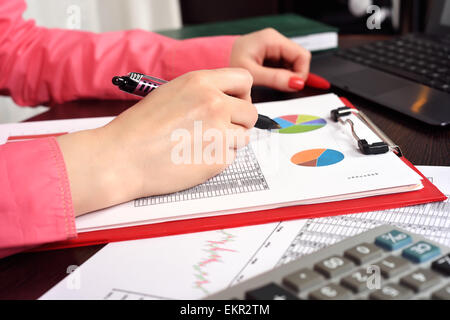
(192, 266)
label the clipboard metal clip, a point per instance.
(384, 146)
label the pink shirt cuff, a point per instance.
(36, 204)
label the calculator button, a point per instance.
(363, 253)
(442, 265)
(420, 280)
(333, 266)
(270, 292)
(421, 251)
(303, 279)
(330, 292)
(393, 240)
(391, 292)
(358, 281)
(392, 266)
(442, 294)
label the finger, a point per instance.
(237, 136)
(242, 112)
(235, 82)
(231, 155)
(277, 78)
(296, 55)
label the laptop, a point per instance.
(409, 74)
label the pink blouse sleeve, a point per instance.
(39, 65)
(35, 203)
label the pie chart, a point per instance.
(317, 157)
(297, 123)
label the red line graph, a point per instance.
(214, 250)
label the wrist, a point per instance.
(94, 170)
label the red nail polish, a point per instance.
(296, 83)
(314, 81)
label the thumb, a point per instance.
(277, 78)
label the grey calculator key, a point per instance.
(333, 266)
(392, 291)
(420, 280)
(392, 266)
(363, 253)
(442, 294)
(331, 291)
(303, 279)
(270, 291)
(360, 281)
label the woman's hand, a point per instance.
(180, 135)
(255, 50)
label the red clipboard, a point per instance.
(429, 193)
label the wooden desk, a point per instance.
(29, 275)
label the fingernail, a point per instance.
(315, 81)
(296, 83)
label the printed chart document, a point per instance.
(192, 266)
(310, 160)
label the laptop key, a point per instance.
(421, 63)
(434, 83)
(444, 87)
(270, 292)
(423, 71)
(420, 280)
(434, 75)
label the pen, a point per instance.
(141, 85)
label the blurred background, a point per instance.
(349, 16)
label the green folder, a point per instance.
(316, 35)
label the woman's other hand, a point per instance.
(260, 51)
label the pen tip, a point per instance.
(275, 125)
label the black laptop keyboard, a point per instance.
(413, 57)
